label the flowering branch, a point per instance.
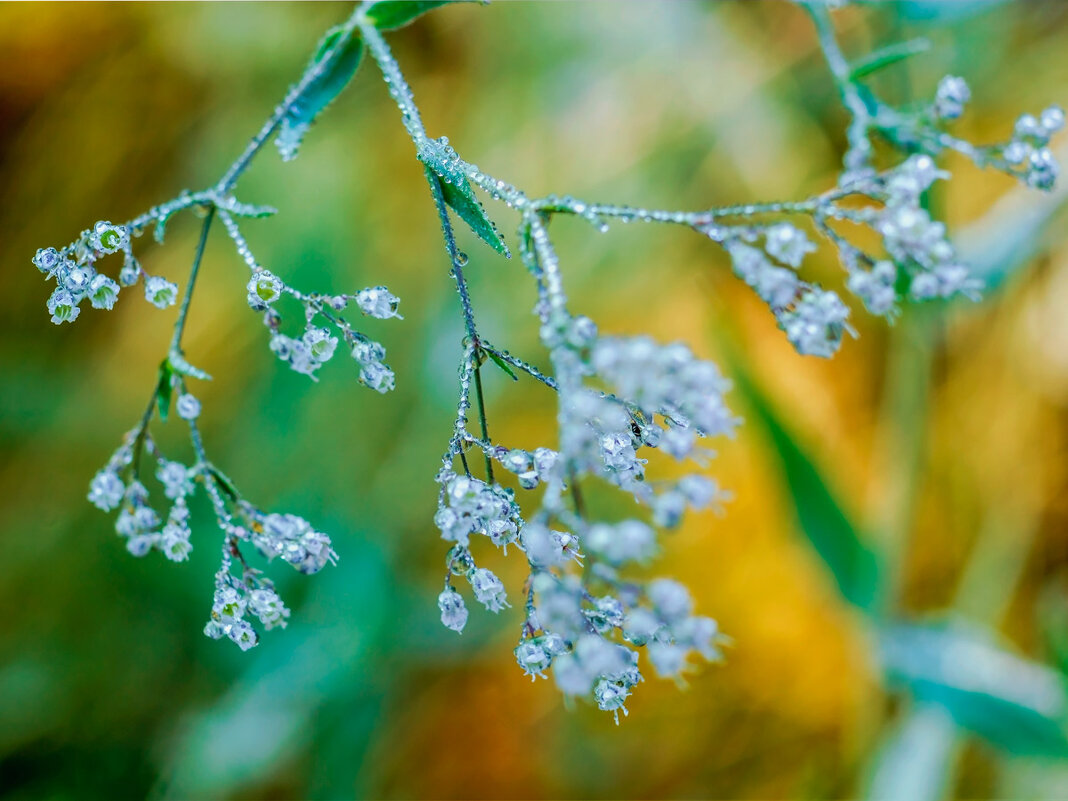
(586, 614)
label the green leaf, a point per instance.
(829, 530)
(389, 15)
(884, 57)
(1012, 702)
(458, 193)
(164, 389)
(497, 360)
(224, 482)
(346, 49)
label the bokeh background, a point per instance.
(938, 443)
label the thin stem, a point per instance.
(142, 432)
(482, 415)
(183, 311)
(857, 133)
(398, 86)
(454, 255)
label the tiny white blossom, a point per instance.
(103, 292)
(488, 590)
(160, 292)
(63, 307)
(106, 490)
(377, 302)
(453, 611)
(952, 94)
(187, 406)
(788, 244)
(108, 238)
(264, 288)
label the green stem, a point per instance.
(179, 325)
(482, 414)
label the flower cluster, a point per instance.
(74, 270)
(317, 343)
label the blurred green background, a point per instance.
(938, 444)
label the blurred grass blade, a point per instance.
(458, 194)
(347, 49)
(389, 15)
(888, 55)
(1013, 703)
(914, 762)
(1012, 232)
(830, 531)
(943, 11)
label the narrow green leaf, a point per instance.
(497, 360)
(224, 482)
(347, 49)
(459, 195)
(884, 57)
(164, 389)
(829, 530)
(1013, 703)
(389, 15)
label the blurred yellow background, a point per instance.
(944, 436)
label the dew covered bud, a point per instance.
(47, 260)
(63, 307)
(320, 344)
(108, 238)
(242, 633)
(187, 406)
(130, 272)
(106, 490)
(788, 244)
(453, 611)
(1052, 119)
(103, 292)
(950, 97)
(160, 292)
(377, 302)
(533, 657)
(268, 607)
(264, 288)
(378, 377)
(488, 590)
